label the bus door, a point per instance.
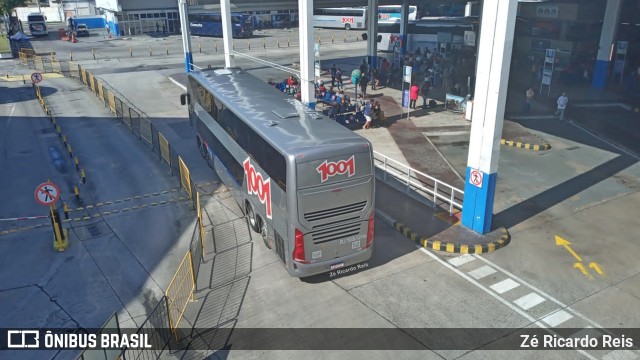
(335, 196)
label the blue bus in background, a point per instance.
(210, 24)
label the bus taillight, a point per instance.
(370, 230)
(298, 251)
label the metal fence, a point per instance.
(180, 291)
(413, 180)
(155, 326)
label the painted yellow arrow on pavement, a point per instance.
(582, 269)
(562, 242)
(596, 267)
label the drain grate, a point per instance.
(93, 231)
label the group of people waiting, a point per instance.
(342, 106)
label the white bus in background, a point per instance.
(37, 24)
(340, 18)
(393, 12)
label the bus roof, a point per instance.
(287, 124)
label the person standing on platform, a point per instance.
(562, 102)
(333, 71)
(529, 99)
(424, 91)
(413, 95)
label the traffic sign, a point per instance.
(476, 178)
(36, 77)
(47, 193)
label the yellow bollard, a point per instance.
(83, 176)
(70, 55)
(76, 192)
(64, 139)
(93, 52)
(166, 47)
(150, 53)
(60, 241)
(77, 161)
(130, 52)
(59, 130)
(70, 151)
(249, 45)
(65, 208)
(215, 45)
(288, 39)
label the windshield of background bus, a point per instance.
(32, 18)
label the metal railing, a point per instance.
(413, 180)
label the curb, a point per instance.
(446, 246)
(520, 145)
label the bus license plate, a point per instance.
(337, 266)
(355, 244)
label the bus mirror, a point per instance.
(184, 99)
(379, 38)
(364, 36)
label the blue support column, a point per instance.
(492, 74)
(607, 38)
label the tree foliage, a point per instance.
(6, 6)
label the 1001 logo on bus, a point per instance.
(256, 185)
(328, 169)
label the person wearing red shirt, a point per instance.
(413, 95)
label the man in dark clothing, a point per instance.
(364, 68)
(424, 91)
(364, 81)
(333, 71)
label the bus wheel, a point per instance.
(263, 232)
(201, 148)
(253, 220)
(347, 27)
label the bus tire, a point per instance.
(253, 219)
(347, 26)
(263, 232)
(201, 147)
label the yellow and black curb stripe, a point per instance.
(131, 198)
(452, 247)
(132, 208)
(521, 145)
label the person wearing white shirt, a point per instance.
(562, 102)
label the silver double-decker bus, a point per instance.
(305, 182)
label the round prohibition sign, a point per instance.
(36, 77)
(47, 193)
(476, 178)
